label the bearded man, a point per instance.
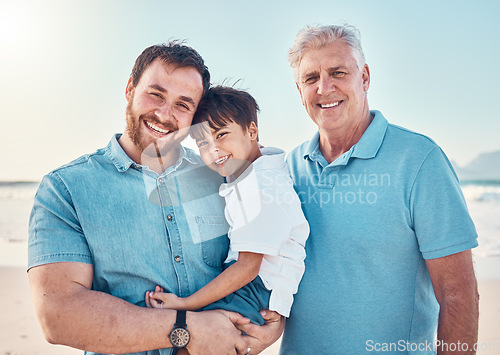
(144, 211)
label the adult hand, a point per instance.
(259, 337)
(214, 332)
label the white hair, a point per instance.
(321, 36)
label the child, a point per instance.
(268, 230)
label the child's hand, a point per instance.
(159, 299)
(153, 303)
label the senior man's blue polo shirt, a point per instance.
(376, 213)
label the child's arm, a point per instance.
(241, 272)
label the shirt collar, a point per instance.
(123, 162)
(366, 148)
(312, 149)
(272, 158)
(372, 139)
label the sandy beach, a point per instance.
(20, 333)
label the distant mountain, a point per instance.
(485, 167)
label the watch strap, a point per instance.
(180, 320)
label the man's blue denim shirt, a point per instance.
(136, 228)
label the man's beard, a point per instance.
(155, 148)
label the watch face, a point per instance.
(179, 337)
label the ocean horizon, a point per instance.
(482, 197)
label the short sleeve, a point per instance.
(439, 212)
(55, 234)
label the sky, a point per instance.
(64, 66)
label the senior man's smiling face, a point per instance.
(333, 88)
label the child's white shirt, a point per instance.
(265, 216)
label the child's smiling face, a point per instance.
(230, 149)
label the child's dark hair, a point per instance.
(224, 104)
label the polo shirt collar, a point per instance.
(371, 140)
(123, 162)
(366, 148)
(312, 149)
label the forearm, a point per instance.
(455, 288)
(99, 322)
(458, 323)
(72, 314)
(244, 270)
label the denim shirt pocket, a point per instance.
(215, 243)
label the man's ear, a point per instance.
(365, 74)
(129, 89)
(253, 131)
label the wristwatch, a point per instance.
(179, 336)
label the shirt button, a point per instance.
(169, 217)
(177, 258)
(160, 180)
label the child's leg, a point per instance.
(247, 301)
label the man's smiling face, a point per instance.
(161, 107)
(332, 86)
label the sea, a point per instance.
(482, 196)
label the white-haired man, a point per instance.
(390, 230)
